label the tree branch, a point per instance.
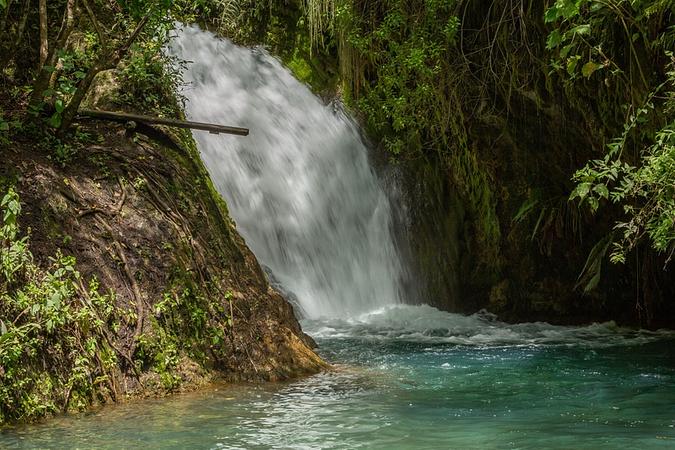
(42, 80)
(94, 21)
(105, 61)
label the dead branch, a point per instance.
(127, 117)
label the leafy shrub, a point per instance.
(637, 169)
(645, 190)
(53, 352)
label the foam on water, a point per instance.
(426, 324)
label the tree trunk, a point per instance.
(41, 83)
(44, 45)
(82, 88)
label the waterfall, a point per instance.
(300, 187)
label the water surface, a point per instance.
(414, 377)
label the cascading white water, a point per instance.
(300, 186)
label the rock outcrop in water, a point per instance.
(190, 304)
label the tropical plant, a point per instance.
(54, 353)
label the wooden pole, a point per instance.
(126, 117)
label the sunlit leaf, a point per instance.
(589, 68)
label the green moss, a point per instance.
(191, 321)
(301, 69)
(307, 65)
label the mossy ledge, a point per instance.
(187, 302)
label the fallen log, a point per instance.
(126, 117)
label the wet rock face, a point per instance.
(431, 232)
(532, 273)
(104, 90)
(519, 278)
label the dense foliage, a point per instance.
(52, 72)
(55, 351)
(637, 170)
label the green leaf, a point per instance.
(572, 64)
(593, 282)
(542, 213)
(554, 39)
(567, 8)
(59, 105)
(601, 190)
(525, 209)
(597, 6)
(6, 337)
(593, 203)
(566, 50)
(589, 68)
(55, 120)
(581, 191)
(582, 30)
(590, 274)
(54, 301)
(551, 14)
